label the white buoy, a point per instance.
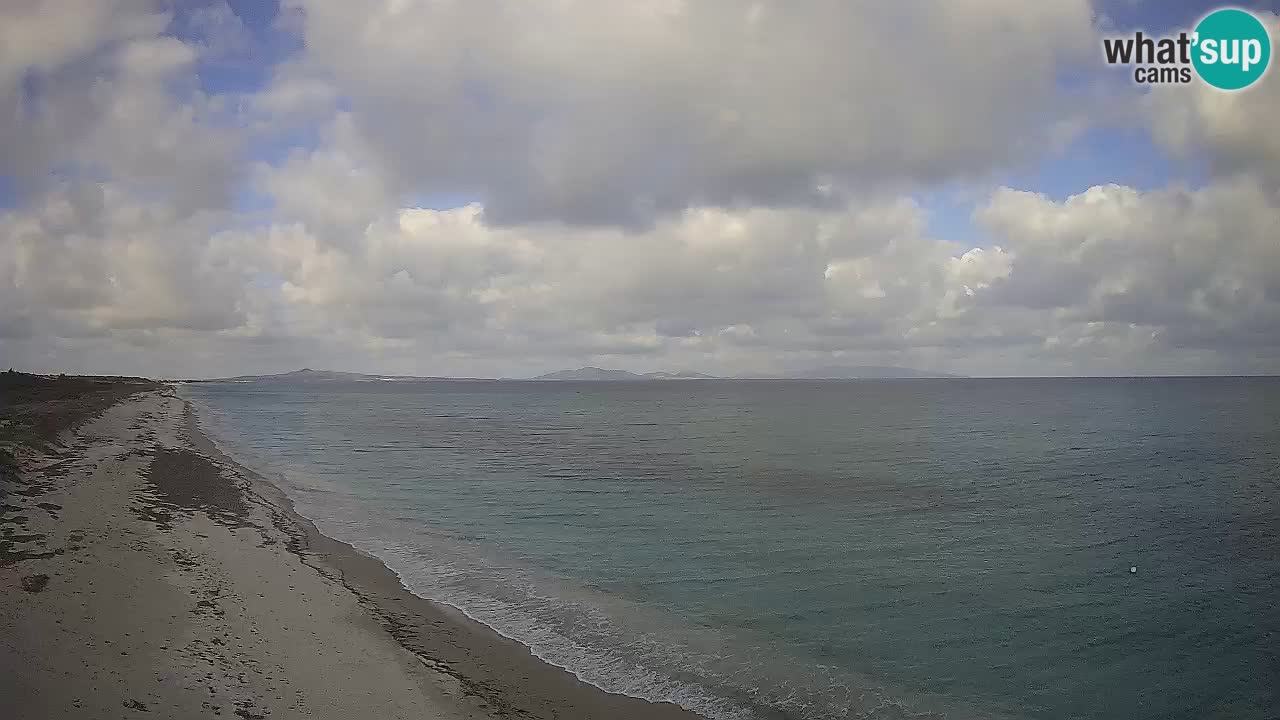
(1133, 569)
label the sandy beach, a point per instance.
(143, 573)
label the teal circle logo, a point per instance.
(1231, 49)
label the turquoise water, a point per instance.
(820, 549)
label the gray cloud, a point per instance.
(86, 91)
(704, 186)
(1233, 132)
(606, 113)
(89, 260)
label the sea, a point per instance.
(940, 548)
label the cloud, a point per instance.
(692, 186)
(1098, 280)
(88, 91)
(449, 276)
(616, 113)
(89, 261)
(1110, 280)
(1193, 268)
(1233, 131)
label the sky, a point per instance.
(489, 188)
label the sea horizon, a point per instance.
(433, 526)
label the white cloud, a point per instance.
(1093, 282)
(1192, 268)
(1111, 280)
(705, 186)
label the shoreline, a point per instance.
(145, 571)
(477, 655)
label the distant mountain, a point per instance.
(859, 372)
(602, 375)
(591, 373)
(866, 372)
(679, 376)
(307, 375)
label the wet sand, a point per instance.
(143, 573)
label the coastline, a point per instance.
(485, 662)
(156, 574)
